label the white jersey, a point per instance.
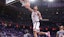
(60, 33)
(35, 16)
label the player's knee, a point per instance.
(34, 32)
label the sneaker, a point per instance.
(48, 34)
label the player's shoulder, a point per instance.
(58, 32)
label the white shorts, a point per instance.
(36, 26)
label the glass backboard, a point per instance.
(9, 1)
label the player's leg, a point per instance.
(35, 34)
(34, 29)
(40, 33)
(44, 33)
(48, 34)
(38, 30)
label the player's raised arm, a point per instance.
(28, 7)
(26, 4)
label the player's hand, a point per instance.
(27, 5)
(40, 18)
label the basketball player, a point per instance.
(60, 33)
(36, 17)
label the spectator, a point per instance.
(27, 34)
(60, 33)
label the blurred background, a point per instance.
(14, 18)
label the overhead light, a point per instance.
(32, 0)
(50, 0)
